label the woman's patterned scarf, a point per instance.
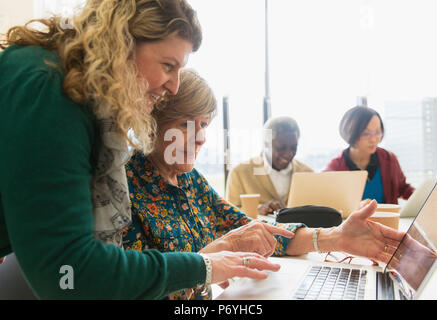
(109, 189)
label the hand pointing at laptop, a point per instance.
(357, 235)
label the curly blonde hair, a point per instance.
(97, 55)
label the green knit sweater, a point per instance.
(47, 147)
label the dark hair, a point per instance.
(355, 121)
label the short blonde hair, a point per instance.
(194, 98)
(97, 55)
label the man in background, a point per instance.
(269, 174)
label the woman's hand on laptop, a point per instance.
(227, 265)
(357, 236)
(362, 237)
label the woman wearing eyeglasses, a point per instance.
(362, 128)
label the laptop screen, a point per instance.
(341, 190)
(417, 252)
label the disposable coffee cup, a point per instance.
(390, 219)
(249, 204)
(388, 207)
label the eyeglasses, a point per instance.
(369, 134)
(340, 257)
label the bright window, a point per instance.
(323, 55)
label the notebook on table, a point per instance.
(341, 190)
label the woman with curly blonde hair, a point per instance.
(69, 96)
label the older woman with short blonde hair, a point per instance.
(173, 206)
(175, 209)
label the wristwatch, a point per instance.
(208, 278)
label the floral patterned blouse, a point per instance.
(183, 218)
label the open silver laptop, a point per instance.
(341, 190)
(404, 277)
(416, 200)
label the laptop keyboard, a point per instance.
(332, 283)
